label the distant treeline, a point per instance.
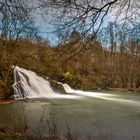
(97, 66)
(110, 60)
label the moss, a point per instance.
(69, 75)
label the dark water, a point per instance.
(118, 117)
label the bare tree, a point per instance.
(87, 16)
(15, 20)
(14, 16)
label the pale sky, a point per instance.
(46, 29)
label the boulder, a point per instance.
(57, 86)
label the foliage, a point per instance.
(5, 83)
(114, 64)
(69, 75)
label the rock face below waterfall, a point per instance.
(57, 86)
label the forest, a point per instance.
(86, 57)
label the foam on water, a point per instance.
(104, 96)
(28, 84)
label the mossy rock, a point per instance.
(57, 87)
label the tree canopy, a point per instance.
(87, 16)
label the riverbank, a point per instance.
(2, 102)
(124, 89)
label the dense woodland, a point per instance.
(109, 59)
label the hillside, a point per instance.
(94, 68)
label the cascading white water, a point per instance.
(28, 84)
(104, 96)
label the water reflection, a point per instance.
(87, 116)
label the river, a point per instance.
(117, 115)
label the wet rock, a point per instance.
(57, 86)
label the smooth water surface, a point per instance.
(117, 115)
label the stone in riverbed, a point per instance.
(57, 86)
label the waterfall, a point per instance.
(99, 95)
(28, 84)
